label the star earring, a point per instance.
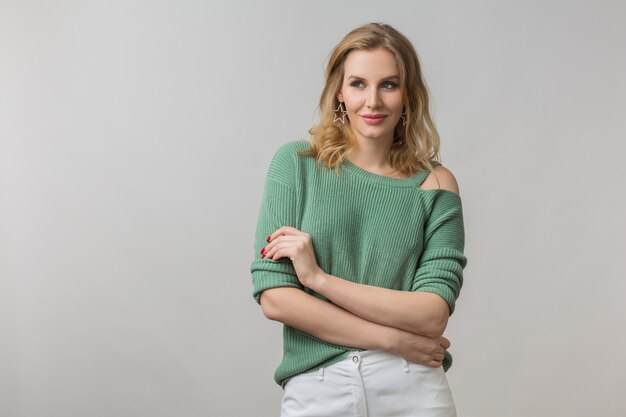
(340, 110)
(404, 119)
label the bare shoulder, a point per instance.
(441, 178)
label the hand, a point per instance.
(289, 242)
(419, 349)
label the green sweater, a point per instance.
(366, 228)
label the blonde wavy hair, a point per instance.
(416, 143)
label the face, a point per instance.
(371, 94)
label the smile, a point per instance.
(374, 119)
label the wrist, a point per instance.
(318, 282)
(387, 339)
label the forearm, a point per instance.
(415, 312)
(324, 320)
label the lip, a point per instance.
(373, 119)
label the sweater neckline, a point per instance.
(414, 180)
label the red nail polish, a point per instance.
(262, 251)
(268, 238)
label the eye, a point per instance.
(389, 85)
(356, 83)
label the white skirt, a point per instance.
(372, 383)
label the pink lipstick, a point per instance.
(374, 119)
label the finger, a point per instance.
(434, 364)
(270, 248)
(278, 239)
(285, 230)
(445, 343)
(269, 252)
(281, 250)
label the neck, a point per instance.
(371, 154)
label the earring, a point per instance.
(341, 109)
(404, 119)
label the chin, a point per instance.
(374, 135)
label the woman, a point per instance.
(360, 242)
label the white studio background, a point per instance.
(134, 142)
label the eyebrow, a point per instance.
(386, 78)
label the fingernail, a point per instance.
(268, 238)
(262, 251)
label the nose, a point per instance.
(373, 99)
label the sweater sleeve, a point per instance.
(440, 267)
(278, 208)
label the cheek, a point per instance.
(396, 103)
(351, 104)
(352, 113)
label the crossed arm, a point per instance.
(300, 310)
(415, 312)
(409, 324)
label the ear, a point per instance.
(339, 96)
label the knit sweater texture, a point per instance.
(365, 228)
